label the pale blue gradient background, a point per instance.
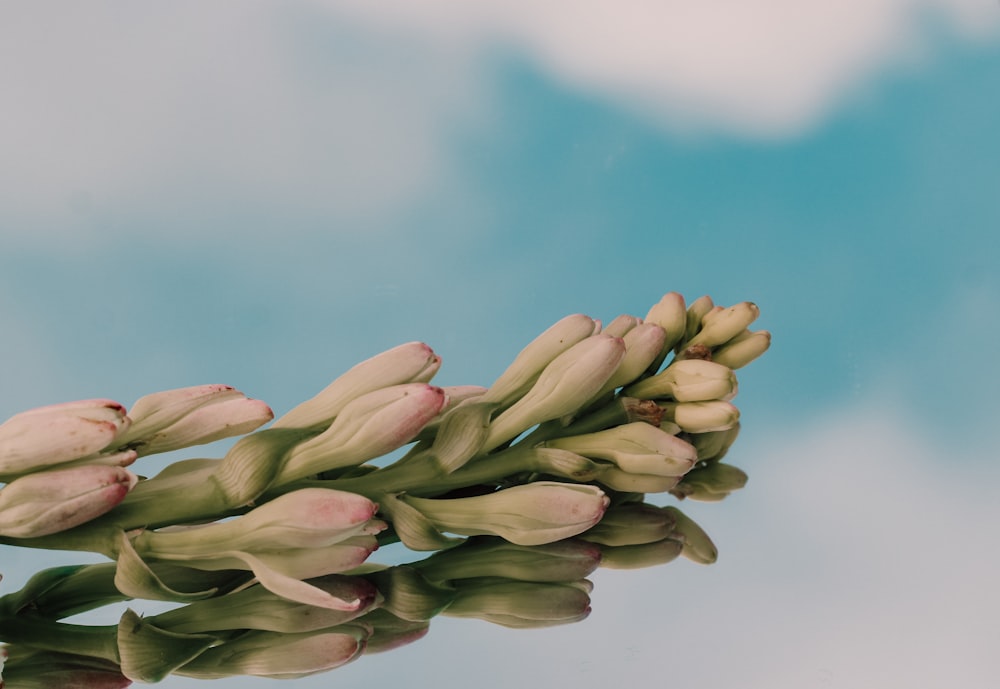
(263, 194)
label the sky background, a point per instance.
(264, 193)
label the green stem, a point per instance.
(98, 642)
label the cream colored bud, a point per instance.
(701, 417)
(533, 359)
(637, 448)
(697, 546)
(621, 325)
(369, 426)
(696, 311)
(739, 352)
(48, 436)
(569, 381)
(48, 502)
(529, 514)
(718, 327)
(413, 362)
(688, 380)
(669, 313)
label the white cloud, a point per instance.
(198, 107)
(768, 67)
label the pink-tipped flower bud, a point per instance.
(48, 502)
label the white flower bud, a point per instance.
(718, 327)
(671, 315)
(529, 514)
(48, 502)
(688, 380)
(569, 381)
(47, 436)
(743, 349)
(701, 417)
(413, 362)
(637, 448)
(528, 365)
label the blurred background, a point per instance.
(264, 193)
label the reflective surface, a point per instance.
(304, 184)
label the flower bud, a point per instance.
(643, 344)
(367, 427)
(642, 555)
(529, 514)
(306, 518)
(222, 414)
(568, 382)
(689, 380)
(626, 482)
(47, 436)
(741, 350)
(701, 417)
(696, 311)
(621, 325)
(671, 315)
(520, 604)
(528, 365)
(718, 327)
(713, 445)
(413, 362)
(636, 447)
(48, 502)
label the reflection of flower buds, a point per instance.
(743, 349)
(530, 514)
(635, 448)
(530, 362)
(41, 670)
(279, 655)
(713, 445)
(631, 524)
(642, 555)
(39, 438)
(697, 546)
(520, 604)
(413, 362)
(51, 501)
(173, 419)
(568, 382)
(688, 380)
(369, 426)
(711, 482)
(566, 560)
(701, 417)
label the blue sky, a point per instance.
(263, 194)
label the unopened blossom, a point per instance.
(688, 380)
(636, 447)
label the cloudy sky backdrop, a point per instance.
(263, 193)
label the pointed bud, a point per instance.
(194, 416)
(528, 365)
(621, 325)
(529, 514)
(520, 604)
(369, 426)
(643, 344)
(701, 417)
(669, 313)
(626, 482)
(306, 518)
(696, 311)
(413, 362)
(739, 352)
(47, 436)
(718, 327)
(637, 448)
(568, 382)
(461, 435)
(48, 502)
(690, 380)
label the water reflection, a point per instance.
(245, 629)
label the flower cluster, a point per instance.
(566, 444)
